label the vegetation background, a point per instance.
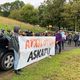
(58, 13)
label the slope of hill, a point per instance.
(7, 23)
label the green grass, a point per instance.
(65, 66)
(6, 23)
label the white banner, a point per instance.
(33, 49)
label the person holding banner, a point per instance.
(58, 41)
(15, 47)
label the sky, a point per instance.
(35, 3)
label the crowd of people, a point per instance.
(62, 38)
(25, 32)
(66, 37)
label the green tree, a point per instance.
(50, 12)
(15, 14)
(29, 14)
(17, 5)
(6, 8)
(71, 15)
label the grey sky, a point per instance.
(33, 2)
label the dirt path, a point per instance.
(6, 75)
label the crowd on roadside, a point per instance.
(25, 33)
(66, 37)
(62, 38)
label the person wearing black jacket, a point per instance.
(76, 38)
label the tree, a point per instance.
(71, 15)
(17, 5)
(61, 14)
(50, 12)
(15, 14)
(6, 8)
(29, 14)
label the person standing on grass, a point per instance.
(15, 46)
(79, 40)
(69, 39)
(63, 38)
(58, 41)
(76, 38)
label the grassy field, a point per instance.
(65, 66)
(6, 23)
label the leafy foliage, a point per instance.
(57, 13)
(7, 7)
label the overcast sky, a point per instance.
(33, 2)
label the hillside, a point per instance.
(7, 23)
